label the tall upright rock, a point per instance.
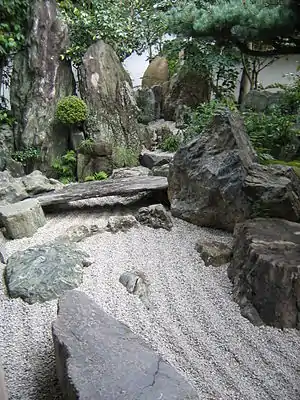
(40, 78)
(107, 89)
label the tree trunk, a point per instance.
(244, 86)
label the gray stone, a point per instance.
(121, 223)
(107, 89)
(261, 100)
(40, 78)
(214, 252)
(155, 216)
(265, 271)
(22, 219)
(98, 357)
(76, 138)
(214, 180)
(137, 284)
(36, 183)
(121, 173)
(161, 130)
(145, 100)
(150, 159)
(157, 73)
(162, 170)
(3, 390)
(77, 233)
(15, 168)
(43, 273)
(11, 189)
(6, 139)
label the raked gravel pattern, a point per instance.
(192, 322)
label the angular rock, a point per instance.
(157, 73)
(22, 219)
(121, 223)
(265, 270)
(155, 216)
(187, 88)
(11, 189)
(162, 130)
(98, 357)
(137, 284)
(215, 182)
(110, 187)
(40, 78)
(145, 101)
(121, 173)
(15, 168)
(107, 89)
(77, 233)
(150, 159)
(162, 170)
(36, 183)
(43, 273)
(214, 252)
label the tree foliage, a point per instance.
(276, 23)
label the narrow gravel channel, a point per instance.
(192, 321)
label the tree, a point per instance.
(275, 23)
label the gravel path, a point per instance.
(192, 321)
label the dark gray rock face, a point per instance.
(150, 159)
(265, 270)
(107, 89)
(145, 101)
(98, 357)
(40, 78)
(215, 182)
(43, 273)
(155, 216)
(214, 252)
(11, 189)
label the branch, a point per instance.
(278, 50)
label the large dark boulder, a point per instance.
(214, 180)
(98, 357)
(265, 270)
(40, 78)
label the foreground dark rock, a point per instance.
(214, 180)
(98, 357)
(265, 271)
(110, 187)
(43, 273)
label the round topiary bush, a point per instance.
(71, 110)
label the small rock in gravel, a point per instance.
(155, 216)
(77, 233)
(136, 283)
(214, 252)
(121, 223)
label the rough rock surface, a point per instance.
(150, 159)
(121, 223)
(215, 182)
(185, 89)
(107, 89)
(36, 183)
(161, 170)
(40, 78)
(6, 144)
(261, 100)
(98, 357)
(136, 283)
(121, 173)
(22, 219)
(77, 233)
(155, 216)
(157, 73)
(265, 270)
(145, 100)
(95, 158)
(214, 252)
(44, 272)
(11, 189)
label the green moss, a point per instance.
(71, 110)
(295, 164)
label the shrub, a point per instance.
(98, 176)
(171, 144)
(6, 117)
(86, 146)
(125, 157)
(71, 110)
(27, 156)
(65, 167)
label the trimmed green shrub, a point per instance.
(71, 110)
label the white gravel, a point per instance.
(193, 322)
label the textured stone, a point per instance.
(265, 271)
(22, 219)
(137, 284)
(214, 180)
(157, 73)
(98, 357)
(121, 223)
(36, 183)
(40, 78)
(77, 233)
(11, 189)
(150, 159)
(261, 100)
(145, 101)
(161, 170)
(15, 168)
(121, 173)
(107, 89)
(214, 252)
(43, 273)
(155, 216)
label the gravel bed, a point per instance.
(192, 321)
